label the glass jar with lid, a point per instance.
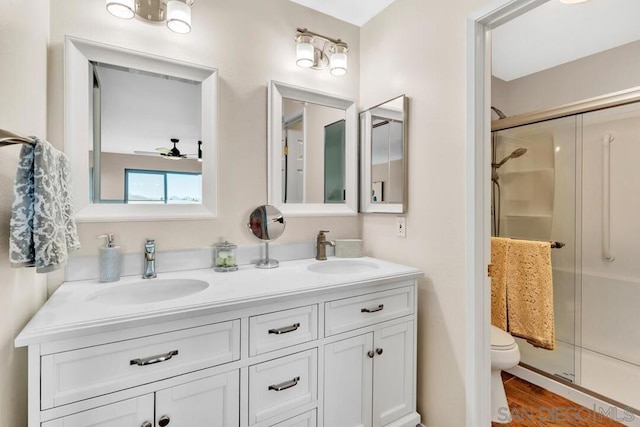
(225, 257)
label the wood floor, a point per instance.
(533, 406)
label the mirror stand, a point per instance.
(267, 262)
(266, 223)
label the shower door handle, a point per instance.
(607, 254)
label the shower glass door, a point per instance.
(535, 194)
(611, 254)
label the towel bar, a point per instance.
(10, 138)
(554, 244)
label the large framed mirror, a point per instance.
(312, 151)
(141, 134)
(383, 139)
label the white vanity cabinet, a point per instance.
(332, 353)
(373, 371)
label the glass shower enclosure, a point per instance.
(576, 180)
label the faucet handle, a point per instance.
(321, 232)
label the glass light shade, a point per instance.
(305, 52)
(338, 61)
(121, 8)
(178, 16)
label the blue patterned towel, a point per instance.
(42, 228)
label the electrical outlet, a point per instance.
(401, 226)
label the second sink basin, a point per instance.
(342, 267)
(148, 291)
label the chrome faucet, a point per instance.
(149, 260)
(321, 245)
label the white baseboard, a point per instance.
(581, 398)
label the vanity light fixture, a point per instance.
(316, 51)
(176, 14)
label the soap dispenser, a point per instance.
(109, 260)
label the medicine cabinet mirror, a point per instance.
(312, 152)
(383, 134)
(141, 133)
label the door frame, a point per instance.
(478, 200)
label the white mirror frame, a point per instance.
(365, 168)
(78, 130)
(278, 91)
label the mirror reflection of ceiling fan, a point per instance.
(173, 153)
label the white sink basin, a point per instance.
(148, 291)
(342, 267)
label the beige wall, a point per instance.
(600, 74)
(418, 48)
(24, 28)
(250, 42)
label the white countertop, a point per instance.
(68, 313)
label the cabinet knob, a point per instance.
(164, 421)
(379, 351)
(147, 424)
(370, 353)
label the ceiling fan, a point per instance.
(173, 153)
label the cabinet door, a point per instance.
(209, 402)
(128, 413)
(347, 382)
(392, 373)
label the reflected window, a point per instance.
(162, 187)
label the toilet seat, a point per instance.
(501, 340)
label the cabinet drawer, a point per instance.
(308, 419)
(282, 384)
(356, 312)
(80, 374)
(273, 331)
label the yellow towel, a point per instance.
(499, 282)
(522, 290)
(530, 292)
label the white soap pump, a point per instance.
(109, 260)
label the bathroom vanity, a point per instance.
(311, 343)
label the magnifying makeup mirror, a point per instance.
(266, 223)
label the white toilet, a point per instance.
(504, 355)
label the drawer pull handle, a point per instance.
(285, 385)
(379, 351)
(154, 359)
(370, 353)
(147, 424)
(372, 310)
(285, 329)
(164, 421)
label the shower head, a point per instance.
(518, 152)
